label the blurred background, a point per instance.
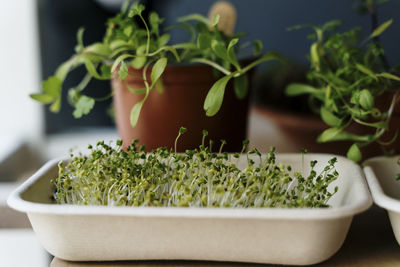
(38, 35)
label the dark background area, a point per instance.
(264, 20)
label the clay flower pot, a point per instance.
(180, 104)
(303, 130)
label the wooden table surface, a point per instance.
(370, 242)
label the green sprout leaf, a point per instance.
(123, 71)
(98, 49)
(158, 70)
(366, 70)
(43, 98)
(241, 85)
(155, 21)
(215, 96)
(381, 28)
(83, 106)
(329, 118)
(354, 153)
(135, 112)
(136, 10)
(231, 53)
(79, 37)
(315, 56)
(220, 50)
(258, 47)
(295, 89)
(52, 86)
(389, 76)
(204, 41)
(366, 99)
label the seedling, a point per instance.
(112, 176)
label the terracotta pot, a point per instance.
(181, 104)
(303, 131)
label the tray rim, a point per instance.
(380, 198)
(15, 201)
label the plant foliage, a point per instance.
(197, 178)
(131, 40)
(346, 77)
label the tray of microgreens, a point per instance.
(203, 204)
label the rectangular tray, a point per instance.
(269, 235)
(385, 189)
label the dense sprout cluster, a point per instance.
(197, 178)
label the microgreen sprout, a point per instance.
(111, 176)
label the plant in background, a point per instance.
(347, 76)
(197, 178)
(132, 40)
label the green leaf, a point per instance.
(83, 106)
(139, 61)
(216, 19)
(43, 98)
(338, 134)
(329, 135)
(127, 31)
(56, 106)
(231, 52)
(196, 17)
(258, 47)
(329, 118)
(158, 70)
(215, 96)
(389, 76)
(354, 153)
(117, 44)
(204, 41)
(155, 21)
(98, 49)
(123, 71)
(366, 70)
(381, 28)
(135, 112)
(63, 69)
(52, 86)
(295, 89)
(315, 56)
(219, 50)
(118, 60)
(163, 40)
(92, 70)
(366, 99)
(79, 37)
(241, 85)
(136, 10)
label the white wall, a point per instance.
(20, 117)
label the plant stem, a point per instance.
(212, 64)
(148, 34)
(374, 24)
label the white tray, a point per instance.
(278, 236)
(385, 189)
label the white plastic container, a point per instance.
(385, 189)
(277, 236)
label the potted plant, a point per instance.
(347, 102)
(129, 204)
(167, 85)
(351, 87)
